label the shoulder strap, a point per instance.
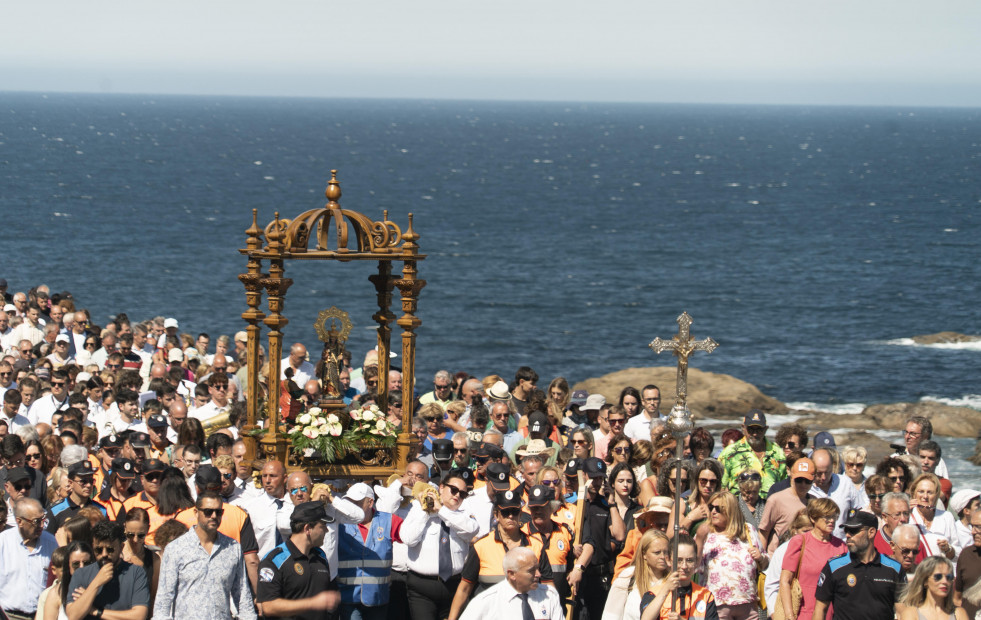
(800, 558)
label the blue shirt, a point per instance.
(23, 571)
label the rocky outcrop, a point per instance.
(710, 395)
(944, 338)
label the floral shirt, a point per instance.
(729, 571)
(739, 455)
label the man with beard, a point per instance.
(864, 583)
(109, 583)
(753, 451)
(204, 551)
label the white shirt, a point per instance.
(942, 526)
(23, 571)
(301, 375)
(965, 538)
(421, 531)
(44, 408)
(243, 491)
(17, 422)
(343, 511)
(638, 427)
(478, 505)
(503, 601)
(267, 519)
(842, 492)
(207, 410)
(26, 331)
(115, 424)
(771, 585)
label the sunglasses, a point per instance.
(510, 513)
(89, 344)
(684, 481)
(897, 478)
(135, 535)
(442, 387)
(79, 564)
(877, 496)
(456, 491)
(212, 512)
(302, 489)
(621, 450)
(481, 459)
(153, 477)
(857, 464)
(5, 374)
(35, 522)
(107, 550)
(748, 477)
(580, 442)
(227, 476)
(938, 577)
(716, 508)
(460, 450)
(550, 483)
(905, 551)
(23, 486)
(803, 481)
(31, 457)
(708, 481)
(790, 445)
(54, 383)
(617, 420)
(114, 366)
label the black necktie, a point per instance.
(526, 613)
(279, 506)
(445, 557)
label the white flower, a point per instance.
(355, 415)
(381, 424)
(304, 419)
(369, 416)
(311, 433)
(321, 421)
(333, 419)
(335, 430)
(314, 411)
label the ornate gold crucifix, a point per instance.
(683, 345)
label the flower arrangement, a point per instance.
(316, 432)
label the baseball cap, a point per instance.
(311, 512)
(495, 451)
(578, 398)
(81, 469)
(824, 440)
(507, 499)
(175, 355)
(755, 417)
(859, 519)
(594, 401)
(16, 474)
(537, 422)
(139, 440)
(594, 467)
(154, 465)
(498, 476)
(961, 499)
(207, 474)
(540, 495)
(123, 468)
(572, 467)
(10, 308)
(61, 338)
(358, 492)
(802, 468)
(241, 337)
(157, 421)
(111, 441)
(171, 322)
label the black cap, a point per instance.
(495, 451)
(572, 467)
(157, 421)
(480, 451)
(207, 474)
(540, 495)
(464, 474)
(80, 469)
(124, 468)
(152, 465)
(310, 512)
(755, 417)
(442, 449)
(16, 474)
(111, 441)
(537, 422)
(594, 467)
(507, 499)
(499, 476)
(139, 440)
(859, 519)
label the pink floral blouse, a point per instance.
(728, 569)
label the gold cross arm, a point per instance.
(682, 345)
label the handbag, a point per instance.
(760, 576)
(796, 593)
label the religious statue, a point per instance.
(333, 337)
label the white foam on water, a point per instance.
(968, 400)
(974, 345)
(843, 408)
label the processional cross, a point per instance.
(679, 422)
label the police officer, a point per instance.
(590, 576)
(555, 538)
(82, 479)
(294, 579)
(119, 487)
(485, 562)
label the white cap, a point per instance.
(82, 376)
(10, 308)
(62, 338)
(170, 323)
(961, 499)
(175, 355)
(358, 492)
(594, 401)
(390, 353)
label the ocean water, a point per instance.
(810, 242)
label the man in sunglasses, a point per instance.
(82, 481)
(119, 487)
(783, 506)
(204, 550)
(863, 583)
(110, 584)
(45, 406)
(753, 451)
(147, 498)
(17, 487)
(906, 548)
(25, 554)
(442, 392)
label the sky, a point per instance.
(781, 52)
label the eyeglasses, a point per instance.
(6, 374)
(906, 551)
(912, 433)
(89, 344)
(227, 476)
(877, 496)
(79, 564)
(135, 535)
(103, 550)
(212, 512)
(901, 513)
(35, 522)
(686, 562)
(441, 387)
(708, 481)
(803, 481)
(938, 577)
(456, 491)
(296, 490)
(716, 508)
(510, 513)
(684, 481)
(621, 450)
(617, 421)
(790, 445)
(747, 477)
(897, 478)
(855, 464)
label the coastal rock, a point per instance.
(944, 338)
(710, 395)
(947, 421)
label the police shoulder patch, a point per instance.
(266, 574)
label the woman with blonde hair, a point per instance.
(557, 400)
(938, 528)
(930, 593)
(651, 566)
(732, 557)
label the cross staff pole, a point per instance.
(682, 345)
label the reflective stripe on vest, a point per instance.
(364, 566)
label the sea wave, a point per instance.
(842, 408)
(909, 342)
(968, 400)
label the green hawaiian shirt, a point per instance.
(739, 456)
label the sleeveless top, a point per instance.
(919, 614)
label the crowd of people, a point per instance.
(128, 495)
